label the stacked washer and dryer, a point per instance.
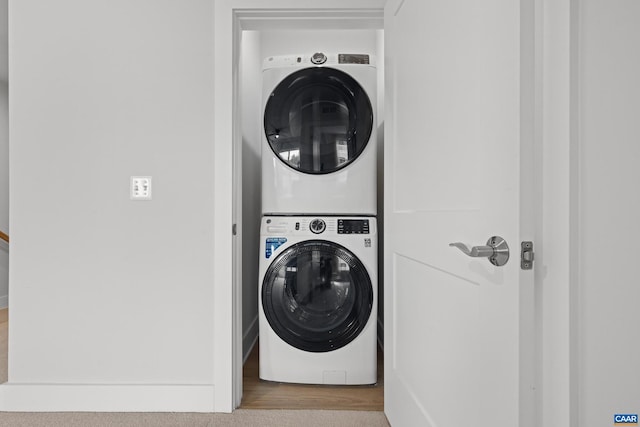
(318, 286)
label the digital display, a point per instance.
(353, 226)
(350, 58)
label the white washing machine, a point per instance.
(320, 131)
(318, 299)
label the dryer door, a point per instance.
(317, 296)
(318, 120)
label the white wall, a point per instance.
(609, 208)
(250, 90)
(283, 42)
(105, 290)
(380, 183)
(4, 45)
(4, 191)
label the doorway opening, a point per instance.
(260, 34)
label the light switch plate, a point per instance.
(140, 188)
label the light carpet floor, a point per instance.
(241, 418)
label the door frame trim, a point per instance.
(231, 17)
(557, 229)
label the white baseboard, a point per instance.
(4, 301)
(249, 339)
(106, 398)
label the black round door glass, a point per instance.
(318, 120)
(317, 296)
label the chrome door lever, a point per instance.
(496, 250)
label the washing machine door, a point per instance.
(318, 120)
(317, 296)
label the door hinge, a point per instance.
(526, 256)
(234, 229)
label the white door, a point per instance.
(457, 329)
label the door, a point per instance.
(456, 327)
(317, 296)
(318, 120)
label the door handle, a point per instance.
(496, 250)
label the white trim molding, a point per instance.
(555, 280)
(231, 18)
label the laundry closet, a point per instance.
(341, 222)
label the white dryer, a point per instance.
(320, 130)
(318, 299)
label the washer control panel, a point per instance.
(317, 226)
(353, 226)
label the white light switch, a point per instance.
(140, 188)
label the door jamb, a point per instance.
(231, 17)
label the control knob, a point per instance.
(319, 58)
(317, 226)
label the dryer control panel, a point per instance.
(318, 59)
(353, 226)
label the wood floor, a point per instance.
(259, 394)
